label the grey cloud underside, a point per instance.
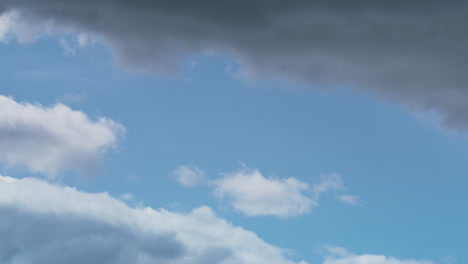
(30, 238)
(46, 238)
(31, 144)
(410, 52)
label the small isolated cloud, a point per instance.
(53, 140)
(127, 197)
(254, 195)
(189, 175)
(44, 223)
(72, 98)
(249, 192)
(328, 182)
(353, 200)
(337, 255)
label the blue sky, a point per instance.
(404, 176)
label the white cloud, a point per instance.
(26, 28)
(5, 25)
(251, 193)
(342, 256)
(189, 175)
(127, 197)
(53, 140)
(350, 199)
(328, 182)
(14, 25)
(44, 223)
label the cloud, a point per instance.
(189, 175)
(5, 24)
(127, 197)
(327, 183)
(15, 26)
(350, 199)
(53, 140)
(44, 223)
(249, 192)
(72, 98)
(68, 49)
(342, 256)
(410, 52)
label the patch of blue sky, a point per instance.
(411, 176)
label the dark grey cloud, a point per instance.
(410, 52)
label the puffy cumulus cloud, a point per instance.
(411, 52)
(252, 194)
(45, 223)
(342, 256)
(189, 175)
(53, 140)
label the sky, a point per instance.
(279, 132)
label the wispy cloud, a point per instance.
(353, 200)
(328, 182)
(189, 175)
(338, 255)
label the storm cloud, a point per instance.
(409, 52)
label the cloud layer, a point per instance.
(53, 140)
(410, 52)
(250, 193)
(44, 223)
